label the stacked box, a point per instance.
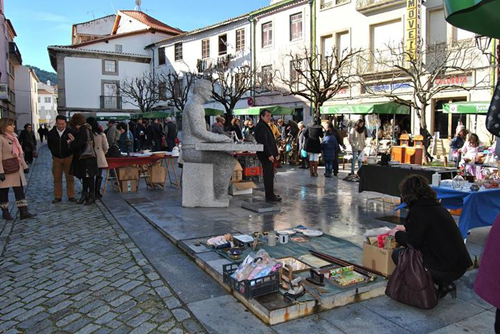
(157, 174)
(127, 173)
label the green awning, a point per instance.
(153, 114)
(366, 108)
(255, 111)
(479, 16)
(116, 118)
(467, 107)
(213, 112)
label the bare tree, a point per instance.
(230, 84)
(141, 92)
(175, 87)
(415, 78)
(318, 78)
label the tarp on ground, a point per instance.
(467, 107)
(255, 111)
(479, 16)
(366, 109)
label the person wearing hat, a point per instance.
(456, 144)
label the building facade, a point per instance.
(47, 104)
(26, 91)
(90, 72)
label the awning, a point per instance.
(213, 112)
(153, 114)
(366, 109)
(275, 110)
(116, 118)
(479, 16)
(467, 107)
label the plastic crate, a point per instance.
(250, 288)
(252, 171)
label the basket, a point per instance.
(250, 288)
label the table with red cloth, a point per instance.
(114, 163)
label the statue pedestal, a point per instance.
(198, 177)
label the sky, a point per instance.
(40, 23)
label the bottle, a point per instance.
(436, 179)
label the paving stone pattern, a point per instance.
(73, 269)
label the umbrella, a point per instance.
(213, 112)
(366, 109)
(479, 16)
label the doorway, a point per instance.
(446, 123)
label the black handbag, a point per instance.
(411, 283)
(493, 117)
(89, 151)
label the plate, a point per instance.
(287, 232)
(312, 233)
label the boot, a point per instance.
(311, 167)
(90, 199)
(5, 211)
(316, 163)
(98, 182)
(22, 205)
(84, 198)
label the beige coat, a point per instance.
(15, 179)
(101, 148)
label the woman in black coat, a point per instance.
(84, 169)
(313, 135)
(28, 143)
(431, 229)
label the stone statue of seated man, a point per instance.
(195, 131)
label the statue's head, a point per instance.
(203, 88)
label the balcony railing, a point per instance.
(365, 6)
(111, 102)
(14, 51)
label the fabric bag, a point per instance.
(493, 117)
(303, 153)
(89, 151)
(10, 166)
(411, 283)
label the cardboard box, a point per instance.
(128, 186)
(237, 172)
(378, 259)
(127, 173)
(242, 188)
(157, 174)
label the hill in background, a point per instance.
(43, 75)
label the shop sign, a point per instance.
(413, 21)
(459, 79)
(389, 87)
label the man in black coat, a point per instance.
(264, 135)
(62, 155)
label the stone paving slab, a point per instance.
(74, 269)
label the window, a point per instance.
(118, 48)
(161, 56)
(330, 3)
(39, 99)
(295, 26)
(460, 34)
(267, 77)
(48, 99)
(178, 51)
(178, 87)
(110, 98)
(437, 25)
(162, 90)
(205, 48)
(326, 45)
(383, 36)
(222, 45)
(267, 34)
(240, 39)
(294, 74)
(343, 44)
(110, 67)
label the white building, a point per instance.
(95, 29)
(373, 24)
(47, 104)
(89, 73)
(26, 97)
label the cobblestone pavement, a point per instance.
(73, 269)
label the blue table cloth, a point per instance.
(479, 208)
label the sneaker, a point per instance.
(56, 200)
(71, 199)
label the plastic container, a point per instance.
(250, 288)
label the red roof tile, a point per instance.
(150, 21)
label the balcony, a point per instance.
(367, 6)
(15, 54)
(111, 102)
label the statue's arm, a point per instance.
(199, 130)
